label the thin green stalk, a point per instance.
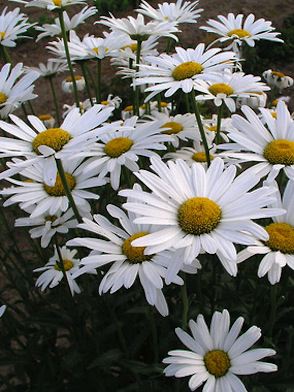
(273, 313)
(65, 41)
(5, 54)
(185, 300)
(200, 125)
(137, 89)
(61, 265)
(187, 103)
(159, 102)
(154, 334)
(90, 75)
(68, 191)
(55, 100)
(98, 90)
(31, 108)
(24, 110)
(84, 71)
(219, 124)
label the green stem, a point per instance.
(187, 103)
(185, 301)
(98, 91)
(200, 125)
(137, 89)
(5, 54)
(65, 41)
(68, 191)
(159, 102)
(24, 110)
(90, 75)
(273, 312)
(154, 334)
(219, 124)
(84, 71)
(55, 100)
(61, 264)
(31, 108)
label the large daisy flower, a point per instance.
(177, 12)
(15, 88)
(52, 199)
(233, 28)
(217, 355)
(123, 147)
(128, 262)
(182, 69)
(50, 69)
(201, 211)
(227, 86)
(37, 143)
(12, 26)
(50, 5)
(279, 248)
(271, 145)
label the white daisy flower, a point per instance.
(46, 226)
(227, 86)
(52, 199)
(272, 146)
(128, 262)
(123, 147)
(52, 271)
(111, 100)
(201, 211)
(51, 68)
(279, 248)
(178, 127)
(37, 143)
(54, 29)
(67, 84)
(210, 127)
(254, 101)
(216, 356)
(50, 5)
(177, 12)
(12, 26)
(2, 310)
(15, 88)
(47, 119)
(277, 79)
(137, 29)
(181, 70)
(233, 28)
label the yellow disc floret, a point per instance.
(77, 77)
(241, 33)
(45, 117)
(199, 215)
(58, 3)
(172, 128)
(221, 88)
(280, 151)
(135, 254)
(2, 35)
(57, 189)
(67, 265)
(118, 146)
(201, 156)
(278, 74)
(133, 47)
(281, 237)
(3, 98)
(212, 128)
(217, 363)
(187, 70)
(55, 138)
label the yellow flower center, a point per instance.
(212, 128)
(221, 88)
(274, 114)
(133, 47)
(118, 146)
(105, 103)
(3, 98)
(241, 33)
(217, 362)
(45, 117)
(77, 77)
(55, 138)
(201, 157)
(281, 237)
(51, 218)
(164, 104)
(278, 74)
(58, 3)
(2, 35)
(173, 128)
(129, 108)
(67, 265)
(96, 50)
(199, 215)
(135, 254)
(275, 102)
(280, 151)
(187, 70)
(57, 189)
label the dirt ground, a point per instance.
(31, 53)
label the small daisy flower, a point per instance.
(279, 248)
(272, 146)
(123, 147)
(179, 127)
(255, 101)
(234, 28)
(199, 210)
(210, 127)
(113, 101)
(277, 79)
(46, 226)
(54, 29)
(50, 5)
(177, 12)
(12, 26)
(15, 88)
(50, 69)
(181, 70)
(226, 87)
(47, 119)
(52, 272)
(67, 84)
(286, 99)
(52, 199)
(37, 143)
(216, 356)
